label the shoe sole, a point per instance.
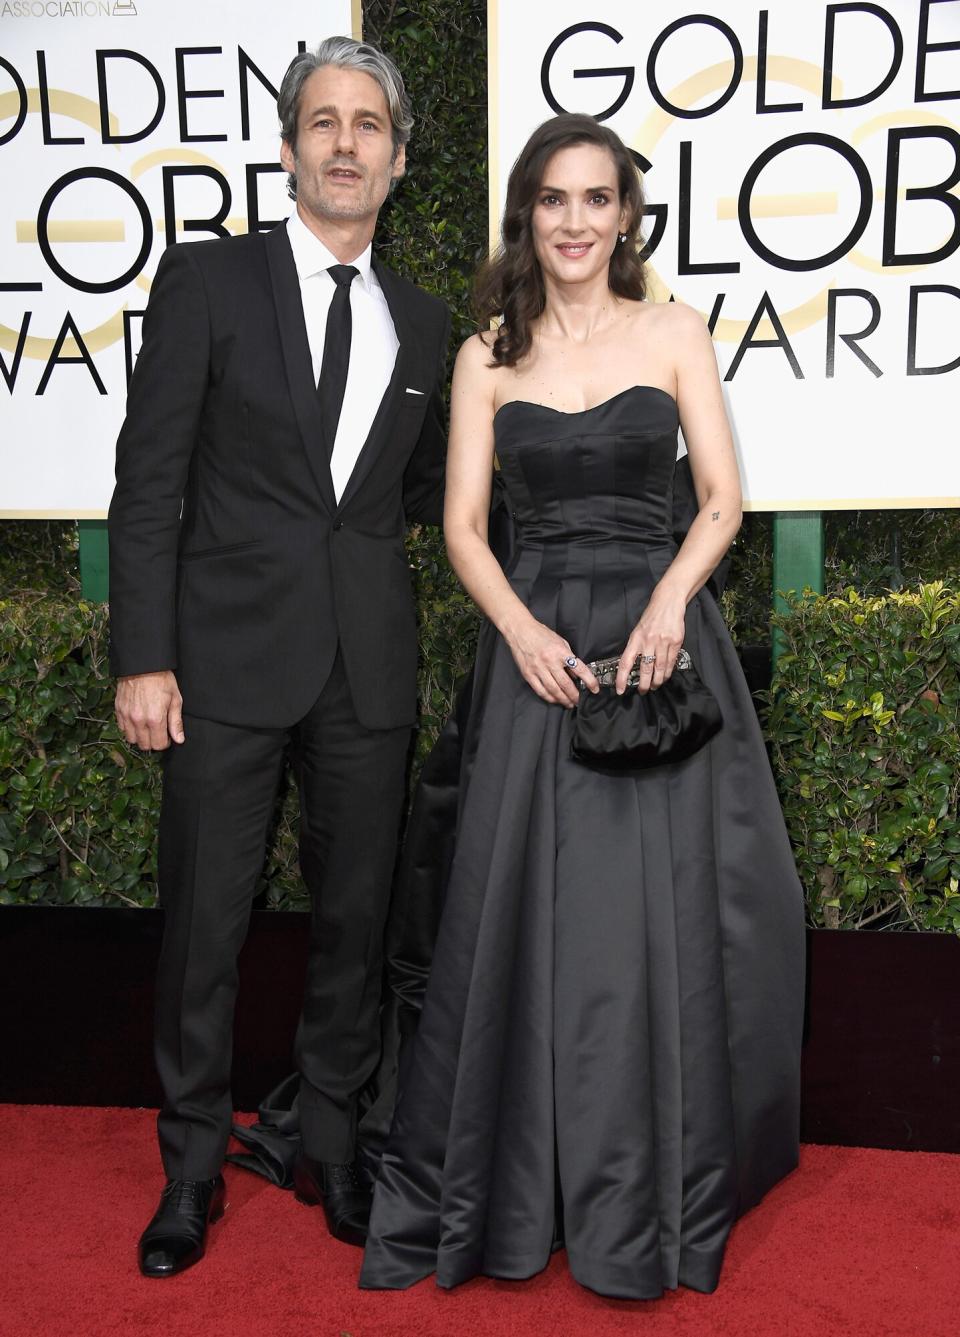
(306, 1198)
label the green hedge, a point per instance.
(77, 806)
(864, 728)
(872, 550)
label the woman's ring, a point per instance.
(571, 661)
(648, 659)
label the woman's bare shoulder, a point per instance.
(675, 318)
(475, 352)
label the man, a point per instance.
(284, 419)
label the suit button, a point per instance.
(338, 524)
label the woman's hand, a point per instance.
(655, 641)
(544, 659)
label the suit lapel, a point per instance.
(406, 358)
(296, 357)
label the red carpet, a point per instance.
(860, 1243)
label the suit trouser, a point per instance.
(219, 792)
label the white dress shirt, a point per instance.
(373, 343)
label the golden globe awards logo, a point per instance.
(132, 200)
(858, 180)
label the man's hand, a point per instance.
(149, 710)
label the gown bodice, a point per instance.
(591, 494)
(601, 474)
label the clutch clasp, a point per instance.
(605, 670)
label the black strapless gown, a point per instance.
(609, 1050)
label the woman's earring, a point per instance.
(623, 238)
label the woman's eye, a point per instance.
(600, 199)
(550, 199)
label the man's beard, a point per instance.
(323, 199)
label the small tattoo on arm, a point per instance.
(716, 515)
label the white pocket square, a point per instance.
(411, 391)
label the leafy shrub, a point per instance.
(747, 599)
(865, 742)
(77, 806)
(880, 550)
(448, 622)
(39, 556)
(871, 550)
(433, 228)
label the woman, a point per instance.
(608, 1054)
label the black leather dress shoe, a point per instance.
(342, 1191)
(177, 1235)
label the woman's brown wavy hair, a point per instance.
(510, 285)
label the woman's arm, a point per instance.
(716, 478)
(538, 651)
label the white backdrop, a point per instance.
(767, 197)
(121, 122)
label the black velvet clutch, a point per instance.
(634, 731)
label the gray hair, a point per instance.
(348, 54)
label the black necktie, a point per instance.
(336, 353)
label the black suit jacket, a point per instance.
(246, 591)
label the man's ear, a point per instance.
(400, 162)
(287, 160)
